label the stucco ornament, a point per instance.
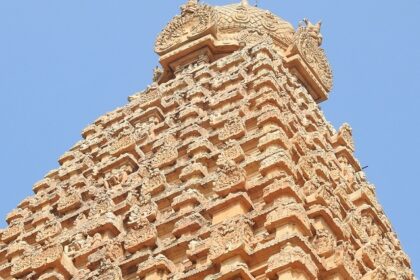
(194, 20)
(308, 41)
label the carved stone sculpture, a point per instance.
(223, 168)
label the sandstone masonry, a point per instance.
(223, 168)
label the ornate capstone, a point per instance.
(232, 23)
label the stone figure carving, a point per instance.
(223, 168)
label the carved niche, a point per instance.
(146, 209)
(143, 235)
(231, 238)
(233, 128)
(230, 177)
(166, 154)
(291, 256)
(289, 216)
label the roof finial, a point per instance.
(244, 3)
(190, 6)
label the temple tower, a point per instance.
(223, 168)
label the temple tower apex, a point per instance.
(223, 168)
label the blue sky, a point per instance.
(64, 63)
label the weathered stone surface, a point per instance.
(223, 168)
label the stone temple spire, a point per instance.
(223, 168)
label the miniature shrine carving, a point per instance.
(223, 168)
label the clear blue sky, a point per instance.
(64, 63)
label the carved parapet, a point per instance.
(154, 183)
(231, 206)
(294, 260)
(197, 249)
(42, 185)
(165, 156)
(227, 96)
(197, 93)
(340, 230)
(364, 195)
(233, 128)
(145, 236)
(190, 113)
(379, 273)
(49, 231)
(12, 232)
(289, 216)
(102, 203)
(324, 242)
(68, 157)
(263, 65)
(22, 266)
(159, 265)
(89, 131)
(343, 153)
(149, 99)
(17, 248)
(276, 139)
(222, 82)
(189, 197)
(74, 167)
(51, 257)
(193, 171)
(126, 161)
(234, 152)
(231, 238)
(273, 117)
(106, 270)
(266, 82)
(125, 144)
(81, 245)
(201, 146)
(193, 132)
(230, 178)
(277, 164)
(369, 254)
(138, 213)
(189, 224)
(324, 196)
(234, 271)
(41, 199)
(110, 118)
(144, 118)
(342, 263)
(17, 215)
(69, 202)
(107, 222)
(366, 224)
(285, 187)
(111, 252)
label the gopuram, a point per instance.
(224, 168)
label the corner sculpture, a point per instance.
(223, 168)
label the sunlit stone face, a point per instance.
(223, 168)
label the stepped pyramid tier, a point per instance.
(223, 168)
